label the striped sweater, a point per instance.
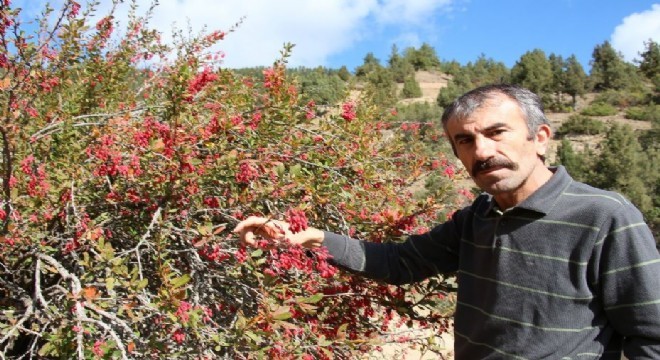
(572, 272)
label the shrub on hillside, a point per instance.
(644, 113)
(599, 109)
(411, 88)
(581, 125)
(319, 85)
(556, 104)
(623, 98)
(419, 112)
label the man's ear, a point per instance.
(542, 139)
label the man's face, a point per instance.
(495, 146)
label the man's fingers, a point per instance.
(275, 231)
(248, 238)
(249, 229)
(250, 222)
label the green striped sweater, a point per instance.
(570, 273)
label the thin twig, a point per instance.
(29, 309)
(154, 220)
(79, 308)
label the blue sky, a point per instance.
(332, 33)
(506, 29)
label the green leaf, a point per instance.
(142, 284)
(110, 283)
(85, 260)
(205, 229)
(295, 170)
(310, 299)
(254, 337)
(282, 313)
(47, 349)
(280, 169)
(323, 342)
(180, 281)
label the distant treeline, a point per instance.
(559, 80)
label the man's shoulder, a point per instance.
(574, 194)
(587, 195)
(590, 204)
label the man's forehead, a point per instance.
(494, 101)
(490, 105)
(497, 103)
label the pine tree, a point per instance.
(399, 66)
(575, 79)
(460, 84)
(486, 71)
(323, 87)
(557, 67)
(369, 65)
(344, 74)
(610, 71)
(649, 65)
(411, 88)
(424, 58)
(577, 164)
(621, 166)
(533, 71)
(381, 87)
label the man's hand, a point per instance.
(276, 231)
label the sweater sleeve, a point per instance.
(419, 257)
(630, 283)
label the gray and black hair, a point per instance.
(530, 104)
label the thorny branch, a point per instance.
(154, 221)
(79, 309)
(27, 304)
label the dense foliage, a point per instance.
(599, 109)
(125, 165)
(621, 162)
(581, 125)
(481, 72)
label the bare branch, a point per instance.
(27, 303)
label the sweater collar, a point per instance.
(543, 200)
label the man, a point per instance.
(547, 267)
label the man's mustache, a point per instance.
(480, 166)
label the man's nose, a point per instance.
(484, 148)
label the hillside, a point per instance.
(432, 82)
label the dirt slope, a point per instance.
(431, 82)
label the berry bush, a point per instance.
(126, 163)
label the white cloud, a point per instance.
(409, 12)
(630, 35)
(319, 29)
